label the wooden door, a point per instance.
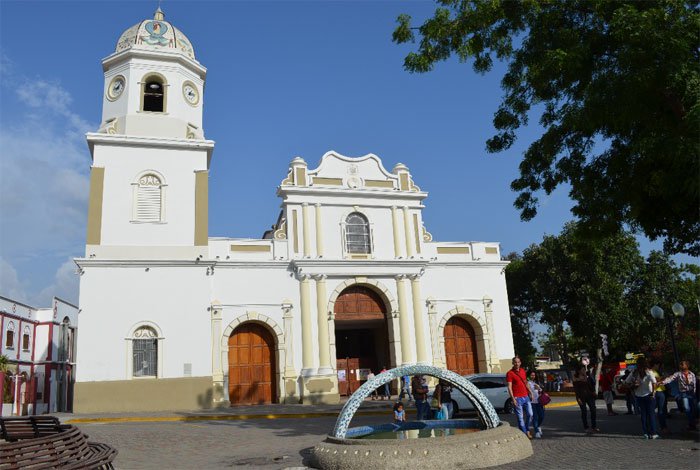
(460, 347)
(251, 365)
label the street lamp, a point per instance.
(658, 313)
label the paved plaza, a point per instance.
(204, 442)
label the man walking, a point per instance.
(521, 395)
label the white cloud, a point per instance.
(65, 285)
(44, 180)
(9, 283)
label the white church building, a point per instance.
(348, 280)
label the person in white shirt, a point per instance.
(537, 407)
(643, 381)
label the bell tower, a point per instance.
(150, 159)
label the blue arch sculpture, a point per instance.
(484, 408)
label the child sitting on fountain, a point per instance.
(399, 413)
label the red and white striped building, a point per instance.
(39, 344)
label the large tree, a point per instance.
(616, 85)
(581, 288)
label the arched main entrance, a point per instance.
(361, 336)
(460, 347)
(251, 365)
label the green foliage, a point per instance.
(617, 85)
(581, 288)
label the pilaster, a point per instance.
(305, 229)
(319, 232)
(291, 393)
(307, 340)
(219, 395)
(395, 231)
(410, 249)
(494, 364)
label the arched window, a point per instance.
(10, 336)
(357, 234)
(145, 352)
(148, 195)
(153, 94)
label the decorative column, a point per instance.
(305, 229)
(407, 355)
(324, 354)
(395, 227)
(319, 232)
(418, 323)
(217, 371)
(291, 394)
(307, 340)
(410, 249)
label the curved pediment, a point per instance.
(340, 171)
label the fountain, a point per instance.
(462, 443)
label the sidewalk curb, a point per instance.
(242, 417)
(147, 419)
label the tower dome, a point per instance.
(155, 34)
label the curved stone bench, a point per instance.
(67, 449)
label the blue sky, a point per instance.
(285, 79)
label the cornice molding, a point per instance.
(169, 56)
(364, 192)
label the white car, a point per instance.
(492, 385)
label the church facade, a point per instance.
(348, 279)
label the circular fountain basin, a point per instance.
(460, 443)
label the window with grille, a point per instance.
(145, 353)
(357, 234)
(149, 198)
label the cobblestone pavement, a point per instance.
(286, 442)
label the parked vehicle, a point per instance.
(493, 386)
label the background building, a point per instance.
(348, 279)
(39, 344)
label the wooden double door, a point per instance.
(361, 336)
(460, 347)
(251, 365)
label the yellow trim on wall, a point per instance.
(379, 184)
(491, 250)
(94, 220)
(251, 248)
(453, 250)
(300, 175)
(403, 178)
(201, 208)
(328, 181)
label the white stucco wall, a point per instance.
(173, 298)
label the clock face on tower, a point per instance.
(191, 93)
(116, 87)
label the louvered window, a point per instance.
(357, 234)
(149, 199)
